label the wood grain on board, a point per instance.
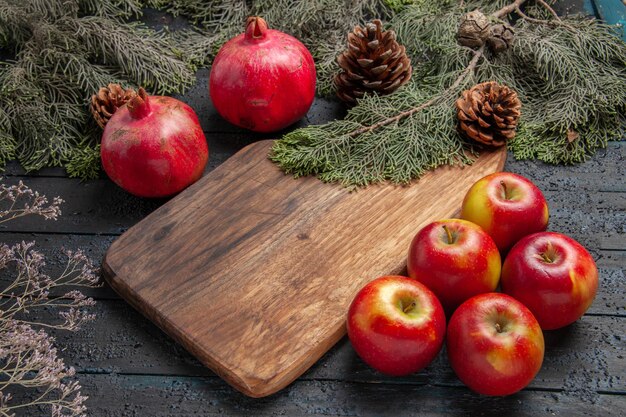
(252, 271)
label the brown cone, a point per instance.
(500, 37)
(488, 113)
(473, 29)
(107, 101)
(373, 63)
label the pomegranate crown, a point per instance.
(256, 28)
(139, 105)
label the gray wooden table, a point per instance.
(128, 367)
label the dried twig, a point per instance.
(28, 357)
(550, 9)
(508, 9)
(554, 22)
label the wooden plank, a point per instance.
(610, 298)
(85, 210)
(577, 207)
(613, 259)
(252, 271)
(604, 171)
(616, 242)
(587, 356)
(590, 218)
(13, 169)
(221, 147)
(159, 396)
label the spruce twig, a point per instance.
(507, 9)
(556, 21)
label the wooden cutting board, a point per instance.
(253, 271)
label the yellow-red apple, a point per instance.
(494, 344)
(396, 325)
(507, 206)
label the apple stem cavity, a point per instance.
(449, 234)
(546, 258)
(549, 255)
(409, 307)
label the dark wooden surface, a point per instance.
(128, 367)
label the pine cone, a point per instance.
(488, 113)
(107, 101)
(500, 37)
(373, 63)
(473, 29)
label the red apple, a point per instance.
(396, 325)
(507, 206)
(495, 344)
(553, 275)
(456, 259)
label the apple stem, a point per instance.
(548, 256)
(449, 233)
(498, 328)
(506, 191)
(409, 307)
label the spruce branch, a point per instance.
(569, 74)
(370, 168)
(62, 52)
(470, 67)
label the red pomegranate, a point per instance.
(154, 146)
(263, 79)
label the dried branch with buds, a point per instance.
(28, 358)
(22, 201)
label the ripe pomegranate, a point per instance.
(263, 79)
(154, 146)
